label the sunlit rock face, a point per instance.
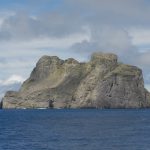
(100, 83)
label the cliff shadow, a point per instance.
(1, 104)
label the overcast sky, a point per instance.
(72, 28)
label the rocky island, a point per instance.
(100, 83)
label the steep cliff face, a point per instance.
(100, 83)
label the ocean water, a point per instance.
(81, 129)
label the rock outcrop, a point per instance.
(1, 105)
(100, 83)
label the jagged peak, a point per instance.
(48, 59)
(124, 69)
(99, 56)
(71, 61)
(95, 57)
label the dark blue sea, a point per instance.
(81, 129)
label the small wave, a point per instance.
(41, 108)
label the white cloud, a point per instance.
(144, 59)
(1, 81)
(4, 15)
(140, 36)
(40, 43)
(12, 80)
(147, 86)
(107, 39)
(1, 21)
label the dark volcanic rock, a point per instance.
(1, 104)
(100, 83)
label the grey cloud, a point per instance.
(73, 16)
(5, 88)
(23, 26)
(116, 12)
(108, 39)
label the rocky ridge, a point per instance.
(100, 83)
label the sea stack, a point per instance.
(100, 83)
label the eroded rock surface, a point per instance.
(100, 83)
